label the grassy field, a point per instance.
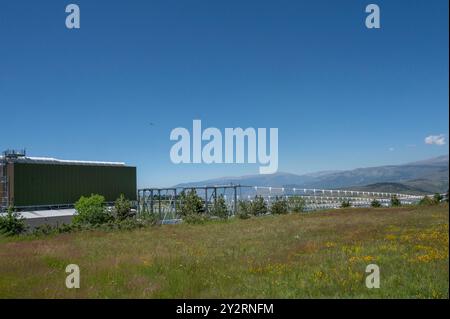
(316, 255)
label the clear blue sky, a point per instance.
(342, 96)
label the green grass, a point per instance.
(317, 255)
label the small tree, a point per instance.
(91, 210)
(258, 206)
(122, 208)
(395, 202)
(427, 201)
(191, 204)
(437, 198)
(12, 223)
(346, 203)
(220, 208)
(279, 206)
(297, 204)
(375, 203)
(244, 209)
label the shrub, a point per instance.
(220, 208)
(12, 223)
(297, 204)
(437, 198)
(243, 209)
(45, 230)
(395, 202)
(91, 210)
(346, 204)
(375, 203)
(427, 201)
(192, 210)
(279, 206)
(258, 206)
(68, 228)
(148, 218)
(125, 224)
(191, 204)
(111, 225)
(122, 207)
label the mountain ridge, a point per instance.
(426, 176)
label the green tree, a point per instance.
(375, 203)
(297, 204)
(91, 210)
(220, 208)
(122, 208)
(258, 206)
(191, 204)
(244, 209)
(427, 201)
(395, 202)
(437, 198)
(346, 203)
(279, 206)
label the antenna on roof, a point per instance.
(11, 154)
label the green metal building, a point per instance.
(34, 182)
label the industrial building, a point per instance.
(34, 183)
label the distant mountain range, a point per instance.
(427, 176)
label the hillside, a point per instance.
(390, 188)
(427, 176)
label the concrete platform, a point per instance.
(52, 217)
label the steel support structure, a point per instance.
(168, 200)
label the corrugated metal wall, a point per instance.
(50, 184)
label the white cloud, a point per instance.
(391, 149)
(435, 139)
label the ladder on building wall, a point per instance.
(3, 193)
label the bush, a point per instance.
(91, 210)
(12, 223)
(395, 202)
(111, 225)
(148, 218)
(375, 203)
(122, 207)
(346, 204)
(437, 198)
(279, 206)
(126, 224)
(45, 230)
(427, 201)
(243, 209)
(258, 206)
(220, 208)
(297, 204)
(192, 210)
(191, 204)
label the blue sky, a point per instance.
(341, 95)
